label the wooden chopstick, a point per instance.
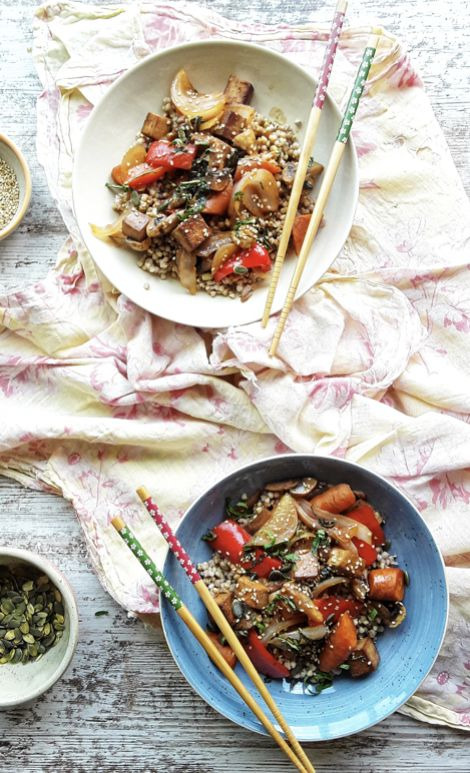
(221, 621)
(306, 152)
(325, 188)
(181, 609)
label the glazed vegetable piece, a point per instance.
(134, 156)
(238, 90)
(163, 154)
(280, 527)
(335, 499)
(346, 562)
(186, 269)
(212, 244)
(230, 124)
(299, 229)
(245, 140)
(256, 257)
(386, 584)
(155, 126)
(281, 485)
(217, 204)
(303, 603)
(257, 192)
(252, 592)
(365, 514)
(163, 224)
(144, 175)
(222, 256)
(259, 520)
(304, 487)
(363, 659)
(365, 551)
(226, 651)
(262, 565)
(192, 232)
(249, 163)
(263, 660)
(336, 606)
(218, 179)
(224, 601)
(134, 225)
(191, 103)
(340, 643)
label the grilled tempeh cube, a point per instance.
(238, 91)
(155, 126)
(192, 232)
(230, 125)
(134, 225)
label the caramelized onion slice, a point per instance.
(191, 103)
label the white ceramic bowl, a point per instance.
(113, 126)
(16, 161)
(22, 683)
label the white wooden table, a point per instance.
(123, 704)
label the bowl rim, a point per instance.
(14, 223)
(62, 583)
(166, 610)
(199, 44)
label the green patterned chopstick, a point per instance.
(204, 640)
(328, 180)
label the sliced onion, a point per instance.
(323, 586)
(343, 538)
(281, 625)
(257, 192)
(356, 529)
(191, 103)
(132, 157)
(314, 632)
(304, 511)
(112, 229)
(211, 121)
(396, 621)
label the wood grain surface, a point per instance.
(123, 704)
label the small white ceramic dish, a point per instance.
(16, 161)
(117, 119)
(23, 683)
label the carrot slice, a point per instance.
(117, 175)
(299, 229)
(387, 584)
(335, 499)
(340, 643)
(226, 652)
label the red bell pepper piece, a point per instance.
(217, 203)
(253, 257)
(335, 605)
(263, 660)
(163, 153)
(365, 551)
(143, 175)
(364, 513)
(262, 565)
(229, 540)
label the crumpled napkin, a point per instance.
(102, 397)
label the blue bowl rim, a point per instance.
(165, 607)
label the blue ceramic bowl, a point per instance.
(407, 653)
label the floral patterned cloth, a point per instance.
(374, 365)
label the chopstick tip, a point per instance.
(142, 493)
(118, 523)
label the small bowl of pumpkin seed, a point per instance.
(38, 626)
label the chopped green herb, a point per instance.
(238, 196)
(209, 536)
(240, 270)
(238, 510)
(115, 188)
(135, 198)
(101, 613)
(260, 626)
(321, 539)
(194, 210)
(344, 667)
(372, 614)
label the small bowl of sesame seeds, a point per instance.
(38, 626)
(15, 186)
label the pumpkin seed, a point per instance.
(32, 615)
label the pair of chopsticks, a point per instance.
(296, 754)
(329, 175)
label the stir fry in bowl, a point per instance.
(302, 571)
(203, 191)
